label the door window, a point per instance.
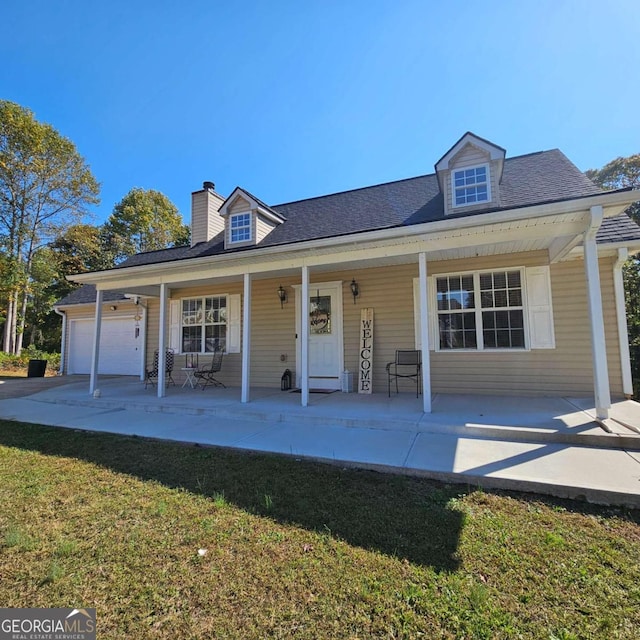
(320, 315)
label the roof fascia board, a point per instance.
(223, 210)
(254, 205)
(614, 203)
(429, 243)
(495, 152)
(269, 214)
(633, 246)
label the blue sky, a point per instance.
(293, 99)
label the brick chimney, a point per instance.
(205, 220)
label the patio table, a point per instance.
(190, 379)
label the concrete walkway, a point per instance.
(544, 445)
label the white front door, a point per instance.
(325, 335)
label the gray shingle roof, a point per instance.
(87, 294)
(618, 229)
(536, 178)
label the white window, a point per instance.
(481, 311)
(470, 186)
(240, 227)
(204, 324)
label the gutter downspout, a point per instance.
(63, 339)
(621, 316)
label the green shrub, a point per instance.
(10, 361)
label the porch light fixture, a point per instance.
(282, 295)
(354, 290)
(113, 307)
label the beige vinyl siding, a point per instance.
(565, 370)
(262, 227)
(206, 222)
(469, 156)
(152, 329)
(273, 331)
(240, 205)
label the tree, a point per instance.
(45, 184)
(144, 220)
(619, 174)
(77, 249)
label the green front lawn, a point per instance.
(293, 549)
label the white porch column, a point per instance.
(424, 334)
(246, 338)
(598, 346)
(95, 356)
(162, 340)
(621, 316)
(142, 311)
(304, 336)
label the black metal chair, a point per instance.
(205, 374)
(151, 375)
(408, 364)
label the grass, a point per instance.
(170, 541)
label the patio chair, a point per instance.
(205, 374)
(151, 375)
(408, 364)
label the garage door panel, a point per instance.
(119, 348)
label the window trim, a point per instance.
(249, 226)
(453, 186)
(478, 309)
(203, 325)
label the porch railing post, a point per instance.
(424, 334)
(246, 338)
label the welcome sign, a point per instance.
(365, 368)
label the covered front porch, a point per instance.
(567, 420)
(395, 272)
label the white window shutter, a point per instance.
(233, 323)
(432, 301)
(174, 325)
(416, 313)
(540, 308)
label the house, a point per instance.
(504, 272)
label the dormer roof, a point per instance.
(493, 150)
(254, 205)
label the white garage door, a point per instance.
(119, 348)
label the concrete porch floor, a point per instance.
(546, 445)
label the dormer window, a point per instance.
(247, 220)
(240, 227)
(471, 186)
